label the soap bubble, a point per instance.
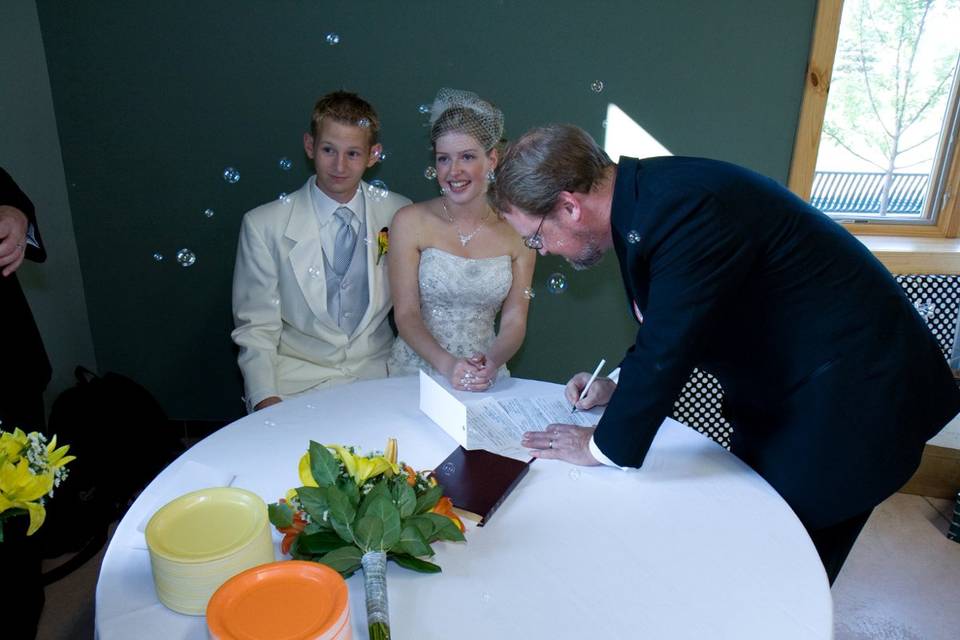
(231, 175)
(485, 597)
(430, 173)
(529, 293)
(597, 86)
(574, 474)
(282, 195)
(186, 258)
(208, 213)
(925, 309)
(363, 123)
(633, 237)
(314, 272)
(557, 283)
(377, 190)
(424, 109)
(604, 124)
(311, 406)
(275, 301)
(270, 423)
(332, 39)
(285, 164)
(158, 257)
(383, 155)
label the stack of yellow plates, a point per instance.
(292, 600)
(201, 539)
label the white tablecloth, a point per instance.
(694, 545)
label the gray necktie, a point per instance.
(345, 241)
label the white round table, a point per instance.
(693, 545)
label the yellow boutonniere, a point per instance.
(383, 243)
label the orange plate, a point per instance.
(287, 600)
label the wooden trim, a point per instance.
(823, 49)
(938, 475)
(910, 254)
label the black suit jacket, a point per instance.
(27, 369)
(832, 381)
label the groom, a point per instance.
(832, 381)
(310, 289)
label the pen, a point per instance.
(583, 393)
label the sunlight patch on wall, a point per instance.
(625, 137)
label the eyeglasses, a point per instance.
(535, 241)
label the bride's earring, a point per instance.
(491, 176)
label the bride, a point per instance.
(453, 263)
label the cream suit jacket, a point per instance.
(288, 342)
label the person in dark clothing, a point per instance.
(832, 381)
(24, 374)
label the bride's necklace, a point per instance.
(464, 237)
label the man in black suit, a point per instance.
(24, 374)
(832, 381)
(26, 369)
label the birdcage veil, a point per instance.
(455, 110)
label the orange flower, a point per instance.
(290, 533)
(411, 475)
(444, 507)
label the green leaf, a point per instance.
(346, 560)
(423, 525)
(413, 543)
(319, 543)
(429, 499)
(368, 533)
(379, 491)
(342, 513)
(314, 527)
(280, 514)
(416, 564)
(323, 465)
(314, 501)
(384, 510)
(443, 528)
(349, 489)
(406, 499)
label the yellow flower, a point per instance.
(21, 489)
(383, 243)
(58, 457)
(306, 478)
(12, 445)
(361, 468)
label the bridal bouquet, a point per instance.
(30, 469)
(358, 511)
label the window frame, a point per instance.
(823, 49)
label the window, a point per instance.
(880, 152)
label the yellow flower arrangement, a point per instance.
(357, 511)
(30, 469)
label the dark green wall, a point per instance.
(155, 99)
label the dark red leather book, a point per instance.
(478, 481)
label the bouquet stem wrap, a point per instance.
(375, 587)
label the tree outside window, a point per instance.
(893, 87)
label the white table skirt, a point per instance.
(694, 545)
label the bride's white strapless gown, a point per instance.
(459, 302)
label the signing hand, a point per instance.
(466, 375)
(561, 442)
(599, 394)
(13, 238)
